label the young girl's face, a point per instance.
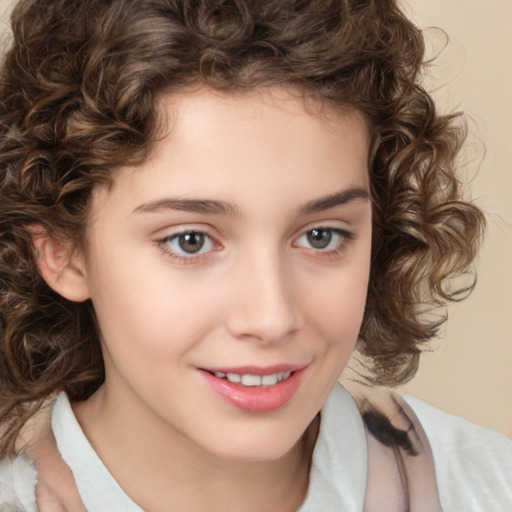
(229, 272)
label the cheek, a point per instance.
(339, 320)
(144, 312)
(336, 310)
(157, 322)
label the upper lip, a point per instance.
(255, 370)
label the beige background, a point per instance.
(470, 372)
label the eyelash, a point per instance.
(163, 244)
(345, 238)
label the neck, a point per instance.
(162, 472)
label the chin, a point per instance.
(266, 445)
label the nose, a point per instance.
(265, 306)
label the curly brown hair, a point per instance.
(78, 98)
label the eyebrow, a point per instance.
(189, 205)
(210, 206)
(338, 199)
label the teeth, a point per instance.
(270, 380)
(283, 376)
(254, 380)
(251, 380)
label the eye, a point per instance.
(187, 244)
(324, 239)
(319, 238)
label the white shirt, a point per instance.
(473, 464)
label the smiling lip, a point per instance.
(255, 399)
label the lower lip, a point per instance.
(255, 398)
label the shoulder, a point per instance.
(18, 479)
(473, 464)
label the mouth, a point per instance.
(253, 380)
(254, 389)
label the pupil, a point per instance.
(319, 238)
(191, 242)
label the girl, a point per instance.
(206, 206)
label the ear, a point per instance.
(60, 266)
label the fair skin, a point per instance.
(242, 244)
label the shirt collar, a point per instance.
(339, 465)
(338, 469)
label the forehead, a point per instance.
(271, 116)
(251, 147)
